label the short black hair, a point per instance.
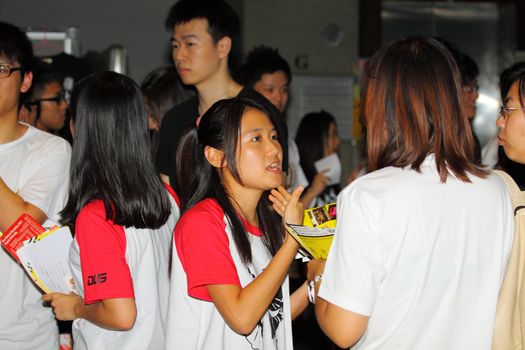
(511, 75)
(262, 60)
(43, 75)
(16, 46)
(222, 21)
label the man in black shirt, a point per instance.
(204, 42)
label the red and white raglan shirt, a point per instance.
(111, 261)
(204, 254)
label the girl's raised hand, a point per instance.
(288, 205)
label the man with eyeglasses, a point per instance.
(46, 104)
(34, 168)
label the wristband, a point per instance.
(311, 287)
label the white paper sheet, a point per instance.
(45, 259)
(332, 164)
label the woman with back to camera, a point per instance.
(422, 241)
(123, 218)
(317, 138)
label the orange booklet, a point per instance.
(24, 228)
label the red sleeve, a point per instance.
(102, 244)
(173, 194)
(204, 249)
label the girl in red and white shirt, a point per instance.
(229, 286)
(122, 216)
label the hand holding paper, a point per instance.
(331, 166)
(44, 255)
(64, 305)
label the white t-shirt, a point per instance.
(424, 259)
(204, 253)
(36, 166)
(111, 261)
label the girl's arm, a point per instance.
(115, 314)
(299, 300)
(342, 326)
(315, 189)
(242, 308)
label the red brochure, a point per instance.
(23, 228)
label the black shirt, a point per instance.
(181, 117)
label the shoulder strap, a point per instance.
(517, 196)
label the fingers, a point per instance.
(285, 195)
(47, 297)
(296, 195)
(277, 205)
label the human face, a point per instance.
(259, 153)
(274, 86)
(52, 113)
(332, 141)
(10, 89)
(470, 96)
(512, 127)
(195, 54)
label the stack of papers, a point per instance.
(43, 254)
(315, 242)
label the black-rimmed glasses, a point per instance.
(57, 99)
(6, 70)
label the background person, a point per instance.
(316, 138)
(510, 317)
(205, 40)
(265, 71)
(46, 102)
(162, 90)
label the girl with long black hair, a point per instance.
(123, 218)
(229, 287)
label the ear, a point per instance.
(224, 45)
(215, 157)
(26, 82)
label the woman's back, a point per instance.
(427, 257)
(146, 253)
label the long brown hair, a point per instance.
(412, 107)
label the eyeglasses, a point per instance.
(504, 111)
(57, 99)
(6, 70)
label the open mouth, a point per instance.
(275, 166)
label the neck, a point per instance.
(10, 129)
(40, 126)
(218, 87)
(244, 201)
